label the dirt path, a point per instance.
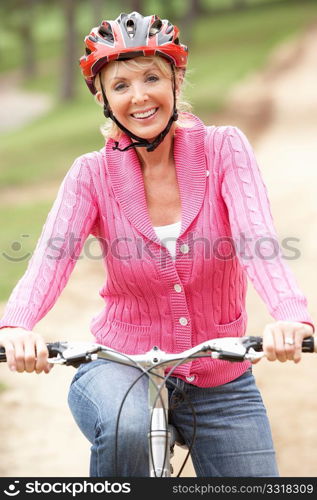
(19, 107)
(39, 437)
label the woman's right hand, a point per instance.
(25, 350)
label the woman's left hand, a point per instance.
(282, 340)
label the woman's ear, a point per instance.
(179, 80)
(99, 97)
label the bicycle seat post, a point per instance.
(159, 434)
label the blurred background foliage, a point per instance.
(40, 44)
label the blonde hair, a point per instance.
(109, 129)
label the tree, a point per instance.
(193, 11)
(28, 42)
(137, 5)
(240, 4)
(97, 11)
(70, 52)
(18, 17)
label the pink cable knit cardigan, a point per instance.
(151, 299)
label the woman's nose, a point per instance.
(139, 94)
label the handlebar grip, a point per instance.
(2, 355)
(54, 348)
(308, 345)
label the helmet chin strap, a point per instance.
(140, 142)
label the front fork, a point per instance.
(159, 435)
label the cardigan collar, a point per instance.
(127, 180)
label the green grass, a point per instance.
(226, 48)
(17, 240)
(228, 4)
(44, 150)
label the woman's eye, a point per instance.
(120, 86)
(152, 78)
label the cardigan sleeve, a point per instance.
(254, 235)
(68, 224)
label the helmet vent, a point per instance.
(156, 27)
(170, 28)
(130, 27)
(105, 30)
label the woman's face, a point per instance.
(140, 95)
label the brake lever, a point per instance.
(236, 349)
(253, 346)
(228, 348)
(253, 355)
(73, 354)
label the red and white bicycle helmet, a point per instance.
(131, 35)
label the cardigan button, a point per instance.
(177, 288)
(207, 173)
(184, 248)
(183, 321)
(191, 378)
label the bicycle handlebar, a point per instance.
(235, 349)
(152, 364)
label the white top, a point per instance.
(168, 235)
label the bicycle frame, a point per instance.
(153, 363)
(159, 434)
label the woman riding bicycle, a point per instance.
(182, 215)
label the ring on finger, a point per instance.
(289, 341)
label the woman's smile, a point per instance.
(145, 115)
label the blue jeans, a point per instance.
(233, 437)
